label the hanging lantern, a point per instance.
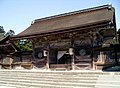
(45, 53)
(71, 51)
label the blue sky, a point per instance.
(18, 14)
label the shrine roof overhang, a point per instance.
(69, 21)
(100, 48)
(3, 39)
(19, 53)
(6, 44)
(6, 48)
(110, 47)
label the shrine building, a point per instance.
(72, 41)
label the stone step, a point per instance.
(106, 86)
(62, 76)
(44, 83)
(4, 85)
(49, 73)
(64, 80)
(51, 76)
(53, 72)
(67, 77)
(76, 81)
(61, 79)
(39, 74)
(40, 86)
(60, 84)
(54, 78)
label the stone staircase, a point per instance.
(58, 79)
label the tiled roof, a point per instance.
(69, 20)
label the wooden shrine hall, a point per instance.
(67, 41)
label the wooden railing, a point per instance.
(104, 59)
(102, 62)
(60, 66)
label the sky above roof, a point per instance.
(18, 14)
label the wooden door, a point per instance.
(83, 57)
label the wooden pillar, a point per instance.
(47, 57)
(21, 58)
(73, 61)
(32, 49)
(33, 46)
(73, 53)
(115, 50)
(46, 54)
(93, 52)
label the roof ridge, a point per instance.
(72, 13)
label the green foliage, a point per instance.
(24, 45)
(10, 32)
(2, 32)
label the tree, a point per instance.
(2, 32)
(118, 35)
(24, 45)
(10, 32)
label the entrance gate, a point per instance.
(59, 59)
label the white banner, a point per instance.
(60, 54)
